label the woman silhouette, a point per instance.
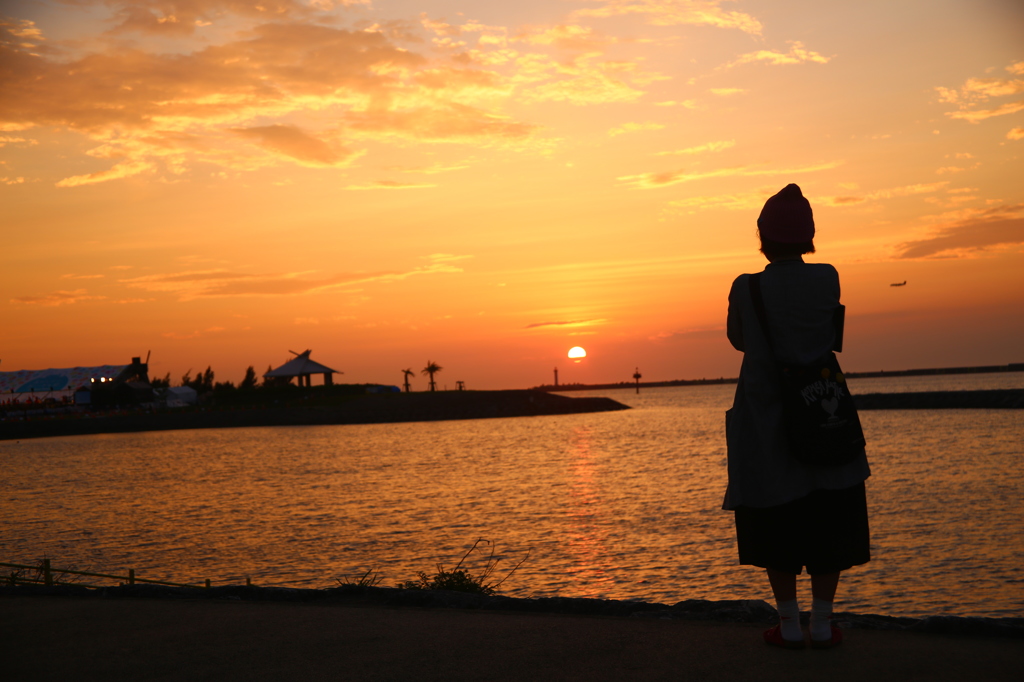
(788, 515)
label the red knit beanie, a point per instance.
(786, 217)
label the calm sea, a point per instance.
(622, 505)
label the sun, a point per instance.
(576, 353)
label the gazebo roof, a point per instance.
(301, 365)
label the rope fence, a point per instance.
(46, 574)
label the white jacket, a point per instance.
(800, 300)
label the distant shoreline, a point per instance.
(934, 371)
(378, 408)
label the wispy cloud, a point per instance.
(975, 91)
(566, 37)
(634, 128)
(729, 202)
(727, 92)
(669, 178)
(797, 54)
(717, 332)
(888, 193)
(446, 257)
(124, 169)
(676, 13)
(293, 143)
(390, 184)
(978, 115)
(565, 323)
(700, 149)
(222, 283)
(999, 226)
(57, 298)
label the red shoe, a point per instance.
(774, 637)
(834, 641)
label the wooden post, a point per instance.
(47, 576)
(248, 581)
(207, 582)
(131, 576)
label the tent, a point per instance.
(303, 368)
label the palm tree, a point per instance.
(432, 368)
(407, 373)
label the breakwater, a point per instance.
(381, 408)
(940, 400)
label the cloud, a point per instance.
(889, 193)
(700, 149)
(797, 54)
(634, 128)
(977, 115)
(701, 333)
(581, 81)
(729, 202)
(999, 226)
(124, 169)
(726, 92)
(669, 178)
(203, 101)
(183, 17)
(676, 13)
(74, 276)
(295, 144)
(57, 298)
(1015, 134)
(6, 140)
(977, 90)
(389, 184)
(565, 36)
(446, 257)
(955, 169)
(222, 283)
(451, 122)
(565, 323)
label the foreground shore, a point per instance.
(379, 408)
(137, 638)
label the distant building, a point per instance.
(301, 368)
(74, 384)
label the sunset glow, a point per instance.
(482, 184)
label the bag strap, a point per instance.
(754, 282)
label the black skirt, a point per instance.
(826, 531)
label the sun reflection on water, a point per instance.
(589, 570)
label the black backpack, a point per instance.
(820, 417)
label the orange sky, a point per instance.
(486, 186)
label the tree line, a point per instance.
(204, 382)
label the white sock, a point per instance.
(821, 619)
(789, 620)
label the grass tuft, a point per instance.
(368, 579)
(459, 579)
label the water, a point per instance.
(622, 505)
